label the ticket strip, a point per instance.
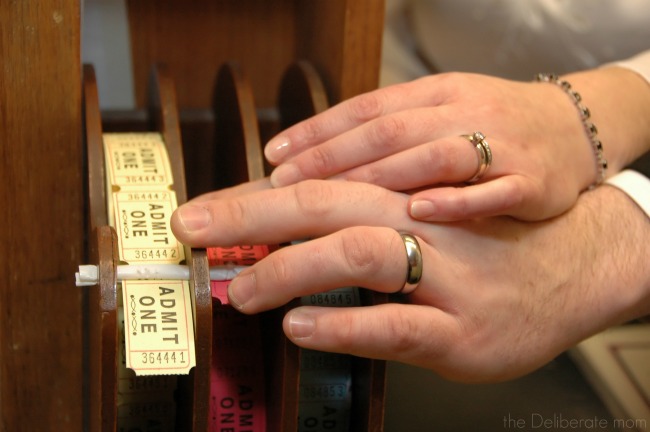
(152, 328)
(217, 384)
(326, 378)
(238, 395)
(156, 325)
(237, 378)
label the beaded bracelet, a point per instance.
(590, 128)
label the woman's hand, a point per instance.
(408, 137)
(497, 298)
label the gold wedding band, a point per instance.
(414, 261)
(484, 155)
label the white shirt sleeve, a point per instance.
(635, 185)
(640, 63)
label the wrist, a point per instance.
(619, 101)
(621, 262)
(589, 128)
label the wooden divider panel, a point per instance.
(342, 38)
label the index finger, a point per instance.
(305, 210)
(234, 191)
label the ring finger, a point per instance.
(371, 257)
(446, 160)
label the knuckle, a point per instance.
(460, 207)
(434, 158)
(234, 213)
(403, 334)
(444, 160)
(388, 129)
(453, 80)
(359, 253)
(346, 332)
(314, 198)
(323, 160)
(366, 174)
(448, 159)
(311, 130)
(515, 194)
(280, 270)
(366, 107)
(525, 199)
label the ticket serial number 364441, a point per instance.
(163, 357)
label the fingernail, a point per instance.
(301, 325)
(277, 149)
(241, 289)
(193, 218)
(284, 175)
(421, 209)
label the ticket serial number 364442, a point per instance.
(157, 254)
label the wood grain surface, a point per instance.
(42, 225)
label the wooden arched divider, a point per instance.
(302, 95)
(239, 158)
(193, 390)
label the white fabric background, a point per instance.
(510, 38)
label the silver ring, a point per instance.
(484, 155)
(414, 261)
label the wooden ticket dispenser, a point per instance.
(41, 136)
(340, 38)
